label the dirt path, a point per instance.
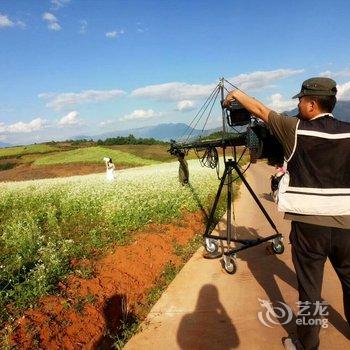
(206, 308)
(86, 310)
(26, 171)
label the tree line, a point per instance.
(130, 140)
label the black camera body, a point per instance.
(236, 114)
(261, 142)
(266, 144)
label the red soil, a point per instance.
(87, 309)
(25, 171)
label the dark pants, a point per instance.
(311, 245)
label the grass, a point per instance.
(82, 301)
(46, 223)
(66, 153)
(168, 274)
(185, 252)
(92, 155)
(155, 152)
(7, 166)
(21, 150)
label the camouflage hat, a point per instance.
(318, 86)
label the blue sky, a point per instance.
(71, 67)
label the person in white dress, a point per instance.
(110, 169)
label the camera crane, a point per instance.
(233, 116)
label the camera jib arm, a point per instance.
(233, 116)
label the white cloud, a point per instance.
(2, 127)
(107, 122)
(141, 114)
(111, 34)
(174, 91)
(59, 3)
(54, 26)
(59, 101)
(52, 21)
(343, 91)
(69, 119)
(21, 24)
(3, 137)
(114, 34)
(47, 16)
(262, 79)
(139, 28)
(83, 26)
(20, 127)
(177, 91)
(6, 22)
(185, 105)
(278, 104)
(342, 73)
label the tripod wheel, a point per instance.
(211, 246)
(230, 266)
(278, 248)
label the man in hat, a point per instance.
(314, 194)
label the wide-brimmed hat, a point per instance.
(318, 86)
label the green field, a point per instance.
(21, 150)
(155, 152)
(93, 155)
(46, 223)
(67, 153)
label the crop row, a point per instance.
(46, 223)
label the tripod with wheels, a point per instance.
(233, 116)
(211, 244)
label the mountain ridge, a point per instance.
(167, 131)
(163, 131)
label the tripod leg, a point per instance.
(267, 216)
(229, 205)
(216, 201)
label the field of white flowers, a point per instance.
(46, 223)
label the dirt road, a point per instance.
(206, 308)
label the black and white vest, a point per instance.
(317, 179)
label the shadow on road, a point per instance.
(267, 196)
(271, 267)
(265, 269)
(209, 326)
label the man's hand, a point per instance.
(252, 105)
(229, 98)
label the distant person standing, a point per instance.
(110, 169)
(183, 169)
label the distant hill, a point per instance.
(163, 132)
(167, 131)
(3, 144)
(341, 111)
